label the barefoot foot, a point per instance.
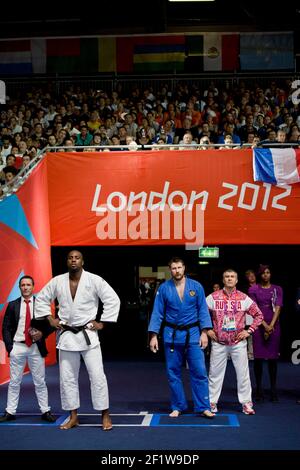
(72, 423)
(106, 421)
(174, 414)
(207, 414)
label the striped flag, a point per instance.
(38, 55)
(63, 55)
(107, 54)
(72, 55)
(267, 51)
(276, 166)
(220, 52)
(15, 57)
(159, 54)
(124, 54)
(194, 53)
(212, 52)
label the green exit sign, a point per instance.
(209, 252)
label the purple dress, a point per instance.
(266, 299)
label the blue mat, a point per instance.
(139, 390)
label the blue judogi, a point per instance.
(169, 308)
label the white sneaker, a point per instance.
(248, 408)
(213, 408)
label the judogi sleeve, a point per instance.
(109, 298)
(43, 300)
(158, 312)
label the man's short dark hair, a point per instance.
(74, 250)
(249, 271)
(11, 155)
(176, 259)
(26, 276)
(10, 169)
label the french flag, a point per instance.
(276, 166)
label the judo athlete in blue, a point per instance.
(180, 309)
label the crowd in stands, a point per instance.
(183, 118)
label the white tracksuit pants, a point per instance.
(217, 368)
(69, 364)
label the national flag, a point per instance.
(2, 92)
(230, 52)
(89, 55)
(15, 57)
(220, 52)
(159, 54)
(194, 54)
(212, 52)
(266, 51)
(72, 55)
(63, 55)
(276, 166)
(107, 54)
(124, 54)
(38, 55)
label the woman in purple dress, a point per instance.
(266, 339)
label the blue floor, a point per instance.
(139, 405)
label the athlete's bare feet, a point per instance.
(106, 421)
(174, 414)
(73, 421)
(207, 414)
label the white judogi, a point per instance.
(79, 312)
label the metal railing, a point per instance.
(13, 186)
(58, 84)
(25, 172)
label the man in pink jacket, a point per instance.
(228, 308)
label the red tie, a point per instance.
(28, 339)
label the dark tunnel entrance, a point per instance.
(122, 268)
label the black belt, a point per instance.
(181, 328)
(75, 330)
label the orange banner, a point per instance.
(24, 248)
(167, 197)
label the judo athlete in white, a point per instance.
(78, 293)
(180, 308)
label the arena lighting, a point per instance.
(191, 1)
